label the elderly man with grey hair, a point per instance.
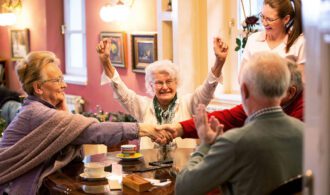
(257, 157)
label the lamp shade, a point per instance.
(107, 13)
(7, 19)
(114, 13)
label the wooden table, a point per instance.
(68, 181)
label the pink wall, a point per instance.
(44, 21)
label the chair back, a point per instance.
(293, 186)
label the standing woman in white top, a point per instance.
(283, 32)
(161, 81)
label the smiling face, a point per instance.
(273, 23)
(51, 88)
(164, 87)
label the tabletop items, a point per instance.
(94, 171)
(137, 183)
(72, 178)
(129, 152)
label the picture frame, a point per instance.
(144, 51)
(20, 43)
(118, 47)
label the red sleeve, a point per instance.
(230, 118)
(296, 107)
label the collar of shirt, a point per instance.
(31, 98)
(263, 112)
(262, 37)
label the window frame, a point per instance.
(75, 75)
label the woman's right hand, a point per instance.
(103, 49)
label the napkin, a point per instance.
(157, 182)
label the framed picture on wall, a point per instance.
(20, 43)
(117, 47)
(144, 50)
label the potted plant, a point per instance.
(3, 125)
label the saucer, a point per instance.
(134, 156)
(102, 177)
(98, 189)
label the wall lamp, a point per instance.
(116, 10)
(9, 8)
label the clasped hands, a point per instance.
(207, 129)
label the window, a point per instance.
(75, 42)
(246, 8)
(227, 95)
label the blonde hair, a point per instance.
(161, 66)
(29, 69)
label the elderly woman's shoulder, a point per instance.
(34, 108)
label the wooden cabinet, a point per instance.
(182, 38)
(165, 30)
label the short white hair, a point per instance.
(267, 74)
(161, 66)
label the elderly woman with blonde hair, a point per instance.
(161, 81)
(44, 137)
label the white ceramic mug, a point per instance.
(94, 169)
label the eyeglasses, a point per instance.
(58, 80)
(268, 20)
(168, 83)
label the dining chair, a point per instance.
(292, 186)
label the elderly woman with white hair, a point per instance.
(161, 81)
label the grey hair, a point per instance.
(267, 74)
(29, 69)
(295, 75)
(161, 66)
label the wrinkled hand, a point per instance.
(220, 49)
(159, 136)
(207, 131)
(103, 49)
(174, 129)
(62, 105)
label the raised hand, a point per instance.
(207, 132)
(221, 51)
(175, 129)
(103, 49)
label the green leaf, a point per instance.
(244, 42)
(238, 41)
(237, 48)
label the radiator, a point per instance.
(225, 102)
(75, 103)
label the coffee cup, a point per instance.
(128, 149)
(94, 169)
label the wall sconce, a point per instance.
(116, 11)
(8, 10)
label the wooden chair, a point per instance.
(293, 186)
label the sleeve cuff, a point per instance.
(213, 79)
(105, 79)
